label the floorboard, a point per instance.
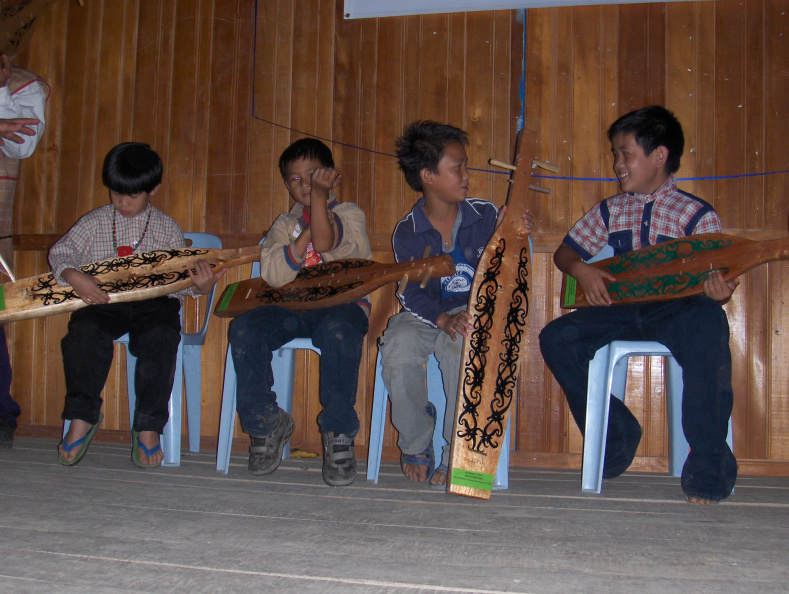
(107, 526)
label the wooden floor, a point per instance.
(106, 526)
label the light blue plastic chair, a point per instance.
(435, 394)
(608, 375)
(188, 366)
(192, 344)
(283, 365)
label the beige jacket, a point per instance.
(279, 265)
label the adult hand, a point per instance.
(10, 129)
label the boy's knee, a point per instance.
(158, 338)
(398, 344)
(706, 317)
(550, 335)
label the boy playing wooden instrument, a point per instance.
(647, 145)
(318, 228)
(132, 173)
(433, 159)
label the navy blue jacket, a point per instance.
(414, 233)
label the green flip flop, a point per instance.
(135, 453)
(82, 443)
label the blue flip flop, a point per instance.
(426, 457)
(135, 453)
(82, 443)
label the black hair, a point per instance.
(305, 148)
(421, 147)
(652, 127)
(131, 168)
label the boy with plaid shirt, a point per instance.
(647, 145)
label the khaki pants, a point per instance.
(405, 348)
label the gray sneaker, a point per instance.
(265, 453)
(339, 461)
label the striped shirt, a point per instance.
(629, 221)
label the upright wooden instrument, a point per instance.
(677, 268)
(499, 304)
(328, 284)
(131, 278)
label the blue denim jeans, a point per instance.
(696, 331)
(337, 331)
(154, 327)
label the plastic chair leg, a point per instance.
(283, 364)
(171, 436)
(377, 426)
(227, 417)
(596, 422)
(192, 363)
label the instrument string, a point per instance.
(481, 170)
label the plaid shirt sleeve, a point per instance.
(589, 235)
(709, 223)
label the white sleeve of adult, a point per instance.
(28, 102)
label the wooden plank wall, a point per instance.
(220, 87)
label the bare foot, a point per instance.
(700, 501)
(150, 439)
(439, 478)
(416, 472)
(76, 431)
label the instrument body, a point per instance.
(327, 284)
(130, 278)
(677, 268)
(499, 304)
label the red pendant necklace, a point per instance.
(125, 250)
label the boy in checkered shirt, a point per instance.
(647, 146)
(132, 173)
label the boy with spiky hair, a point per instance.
(432, 157)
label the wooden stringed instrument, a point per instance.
(499, 305)
(130, 278)
(328, 284)
(677, 268)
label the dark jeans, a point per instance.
(9, 409)
(337, 331)
(154, 327)
(696, 331)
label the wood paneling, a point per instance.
(221, 87)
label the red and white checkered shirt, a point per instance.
(629, 222)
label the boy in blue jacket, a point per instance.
(433, 159)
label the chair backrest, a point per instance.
(606, 252)
(256, 264)
(208, 241)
